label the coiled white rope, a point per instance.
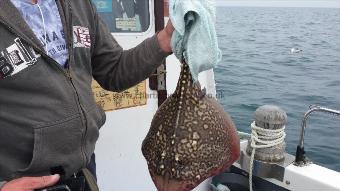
(263, 138)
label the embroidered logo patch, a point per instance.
(81, 37)
(16, 58)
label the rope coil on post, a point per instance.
(263, 138)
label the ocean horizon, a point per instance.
(258, 68)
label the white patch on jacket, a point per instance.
(81, 37)
(16, 58)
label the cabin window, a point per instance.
(123, 16)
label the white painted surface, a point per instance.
(309, 178)
(120, 163)
(312, 178)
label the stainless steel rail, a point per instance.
(300, 152)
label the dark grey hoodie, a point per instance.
(48, 116)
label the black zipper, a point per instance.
(71, 58)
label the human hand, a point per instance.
(30, 183)
(164, 37)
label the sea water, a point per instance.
(259, 68)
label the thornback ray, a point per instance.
(191, 138)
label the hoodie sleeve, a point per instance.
(116, 69)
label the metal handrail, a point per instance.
(300, 152)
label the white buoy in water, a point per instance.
(295, 50)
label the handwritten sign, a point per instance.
(133, 97)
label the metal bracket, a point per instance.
(265, 169)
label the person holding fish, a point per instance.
(49, 52)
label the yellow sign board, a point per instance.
(133, 97)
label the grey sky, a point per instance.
(280, 3)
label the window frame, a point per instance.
(147, 31)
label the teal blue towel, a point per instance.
(194, 39)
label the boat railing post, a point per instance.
(301, 159)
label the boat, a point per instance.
(120, 163)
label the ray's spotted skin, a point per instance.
(191, 138)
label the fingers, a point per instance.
(169, 28)
(164, 37)
(31, 183)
